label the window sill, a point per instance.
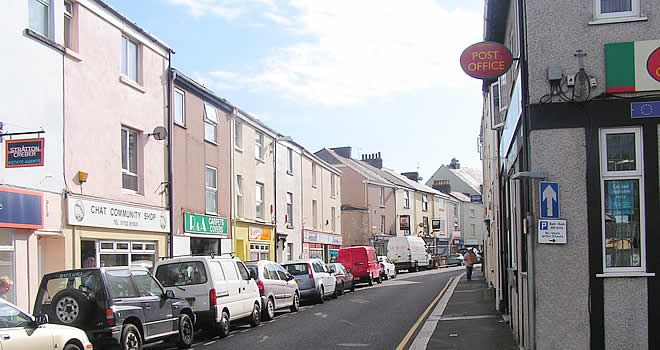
(40, 37)
(124, 79)
(289, 226)
(260, 220)
(625, 274)
(618, 20)
(289, 172)
(314, 186)
(73, 55)
(260, 160)
(238, 149)
(180, 125)
(211, 142)
(382, 206)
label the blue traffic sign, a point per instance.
(549, 195)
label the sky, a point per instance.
(379, 76)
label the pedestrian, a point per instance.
(470, 259)
(5, 286)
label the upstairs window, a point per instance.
(260, 201)
(406, 200)
(259, 145)
(129, 58)
(179, 107)
(68, 15)
(289, 160)
(333, 212)
(616, 9)
(210, 122)
(39, 16)
(211, 190)
(382, 196)
(289, 208)
(238, 135)
(425, 203)
(313, 175)
(333, 187)
(239, 196)
(129, 159)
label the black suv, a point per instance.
(116, 306)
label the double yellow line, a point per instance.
(412, 330)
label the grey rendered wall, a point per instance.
(562, 273)
(557, 28)
(626, 313)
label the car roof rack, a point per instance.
(212, 255)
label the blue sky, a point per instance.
(380, 76)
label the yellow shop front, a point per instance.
(254, 241)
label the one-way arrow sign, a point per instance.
(549, 195)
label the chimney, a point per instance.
(373, 159)
(344, 152)
(413, 175)
(455, 164)
(442, 185)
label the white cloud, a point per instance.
(199, 8)
(277, 18)
(349, 51)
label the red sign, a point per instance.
(24, 153)
(653, 64)
(486, 60)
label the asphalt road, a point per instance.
(377, 317)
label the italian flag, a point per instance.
(631, 66)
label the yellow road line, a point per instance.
(412, 330)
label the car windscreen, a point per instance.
(181, 273)
(297, 269)
(86, 282)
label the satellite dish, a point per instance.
(160, 133)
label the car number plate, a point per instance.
(356, 278)
(298, 281)
(192, 303)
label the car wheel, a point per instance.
(296, 303)
(341, 289)
(186, 332)
(321, 295)
(385, 276)
(72, 346)
(269, 310)
(130, 337)
(335, 294)
(352, 286)
(255, 318)
(223, 325)
(371, 281)
(69, 307)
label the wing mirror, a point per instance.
(169, 294)
(41, 319)
(253, 275)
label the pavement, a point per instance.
(465, 318)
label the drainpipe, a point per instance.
(170, 122)
(234, 180)
(275, 192)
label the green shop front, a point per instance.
(206, 235)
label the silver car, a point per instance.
(277, 287)
(313, 278)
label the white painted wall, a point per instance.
(289, 182)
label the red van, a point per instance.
(361, 260)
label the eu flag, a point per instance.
(645, 109)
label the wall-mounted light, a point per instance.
(82, 176)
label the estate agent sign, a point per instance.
(205, 224)
(24, 153)
(97, 213)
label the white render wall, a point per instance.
(399, 194)
(289, 182)
(32, 96)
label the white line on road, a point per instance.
(424, 335)
(209, 343)
(456, 318)
(354, 345)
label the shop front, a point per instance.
(255, 241)
(204, 235)
(321, 245)
(106, 233)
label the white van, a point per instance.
(219, 288)
(409, 253)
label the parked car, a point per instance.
(409, 253)
(123, 306)
(21, 331)
(313, 278)
(277, 287)
(455, 259)
(344, 278)
(219, 288)
(387, 268)
(361, 262)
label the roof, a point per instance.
(414, 184)
(360, 167)
(460, 196)
(471, 176)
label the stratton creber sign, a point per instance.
(486, 60)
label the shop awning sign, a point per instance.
(260, 234)
(321, 237)
(486, 60)
(24, 153)
(205, 224)
(21, 208)
(83, 211)
(632, 66)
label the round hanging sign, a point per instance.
(653, 64)
(486, 60)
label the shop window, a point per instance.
(259, 252)
(7, 287)
(205, 246)
(622, 185)
(111, 253)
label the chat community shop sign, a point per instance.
(486, 60)
(205, 224)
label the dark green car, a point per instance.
(123, 306)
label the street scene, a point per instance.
(286, 174)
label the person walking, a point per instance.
(470, 259)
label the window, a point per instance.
(313, 175)
(39, 16)
(406, 200)
(289, 161)
(211, 190)
(147, 285)
(425, 203)
(259, 252)
(332, 185)
(289, 251)
(210, 122)
(270, 272)
(129, 58)
(289, 208)
(616, 9)
(239, 195)
(622, 185)
(259, 146)
(129, 159)
(473, 227)
(11, 317)
(314, 214)
(382, 223)
(382, 196)
(455, 210)
(111, 253)
(441, 228)
(181, 274)
(242, 270)
(441, 203)
(425, 221)
(68, 15)
(333, 219)
(238, 135)
(179, 107)
(260, 201)
(472, 214)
